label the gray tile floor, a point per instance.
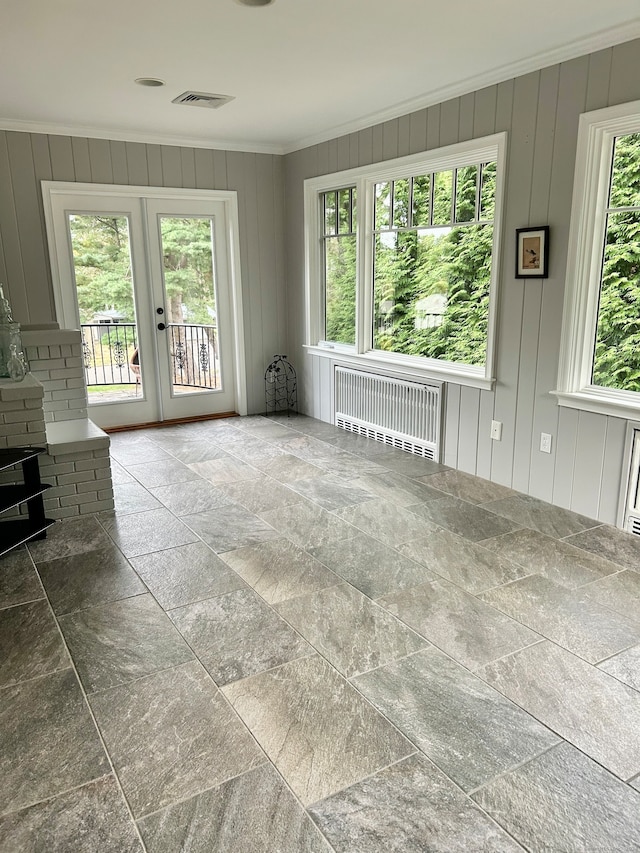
(288, 639)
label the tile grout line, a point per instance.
(95, 723)
(320, 654)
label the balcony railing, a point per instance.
(110, 349)
(194, 355)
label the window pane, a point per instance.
(466, 185)
(625, 181)
(383, 204)
(431, 292)
(421, 200)
(190, 299)
(442, 198)
(617, 350)
(488, 192)
(340, 289)
(104, 286)
(330, 213)
(400, 204)
(344, 211)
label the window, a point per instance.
(339, 255)
(401, 263)
(600, 357)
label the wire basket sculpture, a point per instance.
(280, 386)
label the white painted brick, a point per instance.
(48, 417)
(99, 485)
(94, 486)
(76, 477)
(31, 353)
(56, 385)
(101, 452)
(43, 352)
(69, 394)
(79, 456)
(66, 350)
(16, 440)
(77, 500)
(14, 406)
(73, 361)
(61, 491)
(67, 373)
(33, 404)
(57, 469)
(20, 391)
(11, 429)
(85, 464)
(45, 363)
(70, 415)
(75, 383)
(24, 415)
(103, 474)
(76, 349)
(105, 494)
(54, 351)
(58, 406)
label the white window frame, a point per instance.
(596, 135)
(364, 178)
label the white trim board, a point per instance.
(590, 44)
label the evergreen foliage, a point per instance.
(617, 351)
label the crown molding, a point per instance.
(117, 135)
(598, 41)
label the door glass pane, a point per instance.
(190, 303)
(104, 284)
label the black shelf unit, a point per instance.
(17, 531)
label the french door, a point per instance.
(151, 279)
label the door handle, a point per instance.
(161, 326)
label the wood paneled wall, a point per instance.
(26, 159)
(540, 112)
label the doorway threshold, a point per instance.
(171, 422)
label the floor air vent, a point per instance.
(402, 414)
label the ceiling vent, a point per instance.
(202, 99)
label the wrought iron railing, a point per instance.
(194, 355)
(110, 354)
(107, 350)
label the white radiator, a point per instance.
(632, 520)
(402, 414)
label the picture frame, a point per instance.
(532, 252)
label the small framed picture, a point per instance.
(532, 252)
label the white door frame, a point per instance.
(66, 314)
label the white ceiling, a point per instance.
(301, 70)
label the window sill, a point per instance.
(622, 404)
(406, 367)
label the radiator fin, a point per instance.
(394, 411)
(633, 490)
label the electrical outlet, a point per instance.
(545, 442)
(496, 430)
